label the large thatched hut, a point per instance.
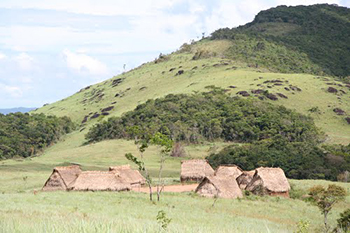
(245, 178)
(232, 171)
(128, 175)
(62, 178)
(215, 186)
(100, 181)
(195, 170)
(271, 181)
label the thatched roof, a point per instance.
(195, 169)
(100, 181)
(228, 170)
(271, 179)
(62, 178)
(224, 187)
(245, 178)
(128, 175)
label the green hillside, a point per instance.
(321, 32)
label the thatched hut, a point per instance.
(128, 175)
(215, 186)
(271, 181)
(232, 171)
(195, 170)
(245, 178)
(100, 181)
(62, 178)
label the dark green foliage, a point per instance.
(343, 222)
(318, 34)
(299, 160)
(23, 135)
(208, 116)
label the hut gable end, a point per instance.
(195, 170)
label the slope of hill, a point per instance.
(183, 72)
(319, 31)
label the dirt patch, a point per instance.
(116, 82)
(107, 109)
(332, 90)
(271, 96)
(142, 88)
(339, 111)
(85, 119)
(180, 72)
(257, 91)
(348, 120)
(243, 93)
(282, 96)
(194, 68)
(169, 188)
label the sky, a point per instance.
(51, 49)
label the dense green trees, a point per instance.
(299, 160)
(209, 116)
(23, 135)
(317, 33)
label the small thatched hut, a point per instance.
(100, 181)
(62, 178)
(245, 178)
(232, 171)
(195, 170)
(271, 181)
(215, 186)
(128, 175)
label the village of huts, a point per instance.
(227, 181)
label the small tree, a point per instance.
(141, 147)
(165, 144)
(158, 139)
(325, 199)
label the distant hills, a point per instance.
(12, 110)
(319, 33)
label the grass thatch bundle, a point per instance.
(62, 178)
(128, 175)
(100, 181)
(245, 178)
(195, 170)
(224, 187)
(271, 181)
(232, 171)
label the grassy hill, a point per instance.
(240, 66)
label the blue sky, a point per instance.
(51, 49)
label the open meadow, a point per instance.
(24, 208)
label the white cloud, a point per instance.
(2, 56)
(24, 61)
(13, 91)
(83, 62)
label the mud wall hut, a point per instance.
(245, 178)
(195, 170)
(128, 175)
(228, 171)
(271, 181)
(100, 181)
(223, 187)
(62, 178)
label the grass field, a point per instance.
(25, 209)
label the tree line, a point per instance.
(23, 134)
